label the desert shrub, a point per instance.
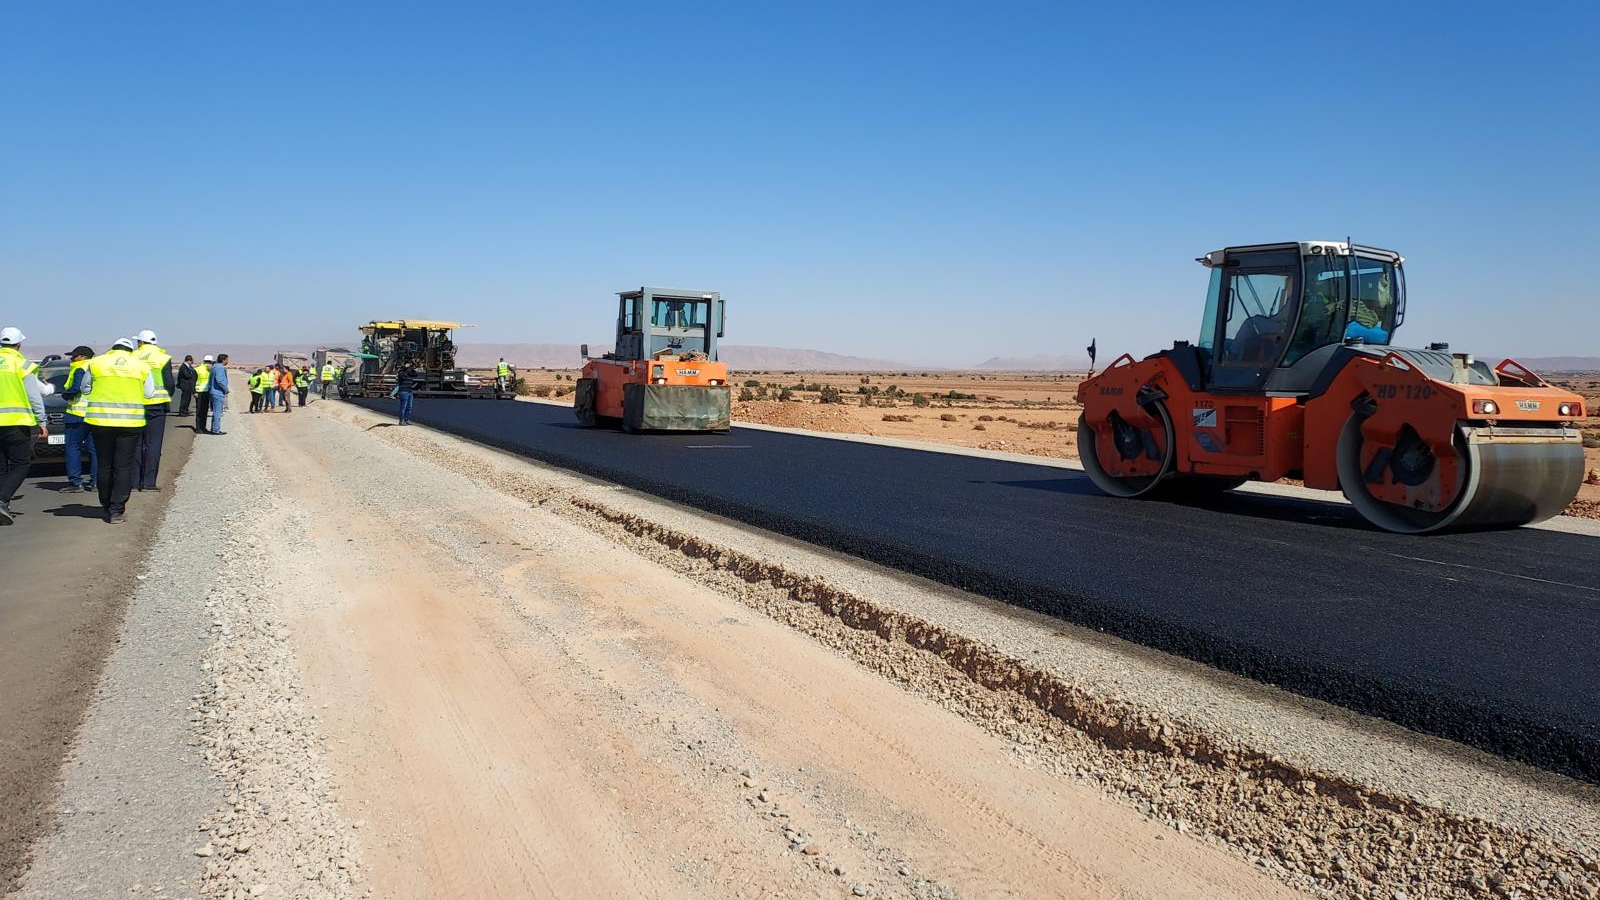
(830, 394)
(979, 427)
(918, 400)
(986, 418)
(813, 387)
(1047, 426)
(746, 395)
(947, 417)
(752, 383)
(892, 417)
(1592, 441)
(957, 395)
(521, 388)
(786, 394)
(564, 390)
(542, 390)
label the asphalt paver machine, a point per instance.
(663, 374)
(1294, 376)
(426, 345)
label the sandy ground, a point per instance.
(531, 710)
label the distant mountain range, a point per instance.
(1561, 363)
(1036, 363)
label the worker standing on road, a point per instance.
(257, 386)
(269, 388)
(286, 387)
(116, 386)
(302, 383)
(219, 393)
(77, 429)
(21, 417)
(405, 385)
(186, 386)
(202, 394)
(148, 460)
(503, 375)
(327, 377)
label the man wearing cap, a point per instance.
(77, 430)
(116, 387)
(202, 394)
(147, 461)
(21, 417)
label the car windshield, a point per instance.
(55, 374)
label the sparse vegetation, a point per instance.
(919, 400)
(830, 394)
(947, 417)
(746, 395)
(786, 395)
(893, 417)
(986, 418)
(980, 427)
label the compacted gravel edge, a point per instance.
(1321, 832)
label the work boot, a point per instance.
(72, 489)
(117, 518)
(6, 515)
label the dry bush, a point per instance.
(891, 417)
(979, 427)
(541, 390)
(986, 418)
(947, 417)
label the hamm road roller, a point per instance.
(663, 374)
(1295, 376)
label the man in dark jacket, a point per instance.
(185, 383)
(405, 385)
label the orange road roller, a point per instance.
(1295, 376)
(663, 374)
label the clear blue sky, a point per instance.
(924, 181)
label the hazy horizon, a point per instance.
(916, 182)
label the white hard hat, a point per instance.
(207, 358)
(124, 343)
(9, 336)
(147, 336)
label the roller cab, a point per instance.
(1294, 376)
(663, 374)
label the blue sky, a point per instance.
(928, 182)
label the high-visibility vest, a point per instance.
(258, 382)
(14, 406)
(302, 381)
(505, 370)
(202, 378)
(78, 405)
(157, 359)
(116, 390)
(31, 368)
(327, 372)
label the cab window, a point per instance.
(1260, 308)
(1322, 306)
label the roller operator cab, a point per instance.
(1295, 375)
(663, 374)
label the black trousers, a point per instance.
(147, 461)
(184, 396)
(116, 448)
(202, 412)
(303, 394)
(16, 455)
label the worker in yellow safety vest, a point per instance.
(22, 417)
(77, 439)
(503, 374)
(202, 393)
(148, 460)
(328, 373)
(115, 390)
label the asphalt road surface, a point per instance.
(1486, 638)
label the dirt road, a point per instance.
(514, 706)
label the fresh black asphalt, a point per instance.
(1488, 638)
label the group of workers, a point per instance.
(116, 415)
(271, 387)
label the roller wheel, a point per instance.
(1088, 451)
(1411, 462)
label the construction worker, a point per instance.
(148, 459)
(302, 383)
(77, 429)
(202, 394)
(405, 386)
(327, 377)
(503, 374)
(219, 393)
(285, 387)
(116, 386)
(270, 385)
(21, 417)
(258, 386)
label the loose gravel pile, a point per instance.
(1317, 831)
(281, 834)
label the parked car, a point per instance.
(53, 371)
